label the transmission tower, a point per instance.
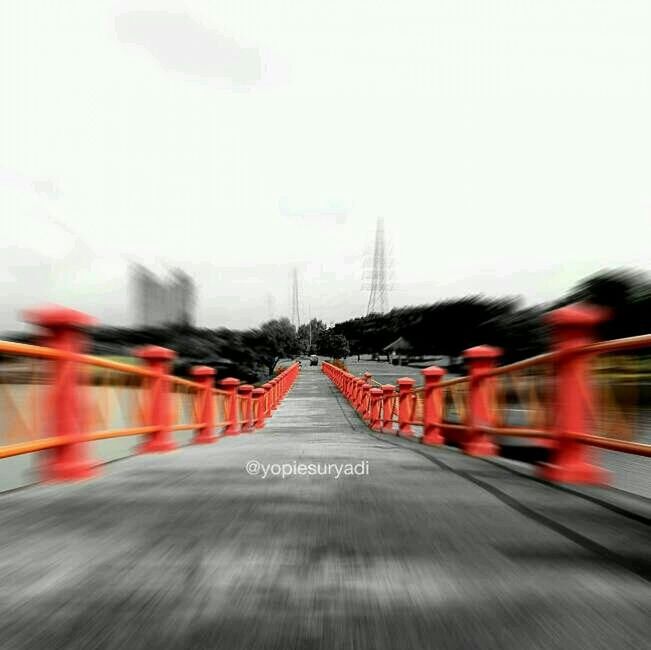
(377, 280)
(296, 313)
(270, 306)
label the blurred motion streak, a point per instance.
(578, 396)
(56, 399)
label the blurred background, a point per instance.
(382, 185)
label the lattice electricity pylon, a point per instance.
(271, 310)
(377, 281)
(296, 313)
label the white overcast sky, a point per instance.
(506, 144)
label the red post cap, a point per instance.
(388, 388)
(229, 381)
(406, 381)
(256, 392)
(433, 371)
(377, 392)
(155, 353)
(57, 316)
(202, 371)
(577, 315)
(482, 352)
(246, 388)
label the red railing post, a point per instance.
(258, 400)
(388, 395)
(365, 406)
(432, 406)
(267, 399)
(282, 381)
(376, 402)
(159, 407)
(350, 388)
(274, 393)
(573, 326)
(66, 405)
(246, 391)
(480, 407)
(405, 387)
(230, 385)
(205, 404)
(357, 404)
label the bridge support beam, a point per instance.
(432, 406)
(65, 406)
(480, 400)
(205, 405)
(573, 326)
(159, 408)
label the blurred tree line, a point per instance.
(250, 355)
(446, 327)
(450, 326)
(310, 336)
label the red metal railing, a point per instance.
(55, 399)
(578, 396)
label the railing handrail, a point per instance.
(480, 412)
(158, 408)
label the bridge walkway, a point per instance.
(430, 549)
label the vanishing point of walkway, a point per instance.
(431, 550)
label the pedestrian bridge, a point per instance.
(327, 512)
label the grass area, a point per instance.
(134, 361)
(104, 373)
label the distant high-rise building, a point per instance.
(162, 302)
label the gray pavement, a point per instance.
(431, 549)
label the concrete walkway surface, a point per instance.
(430, 549)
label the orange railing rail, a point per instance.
(56, 399)
(569, 400)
